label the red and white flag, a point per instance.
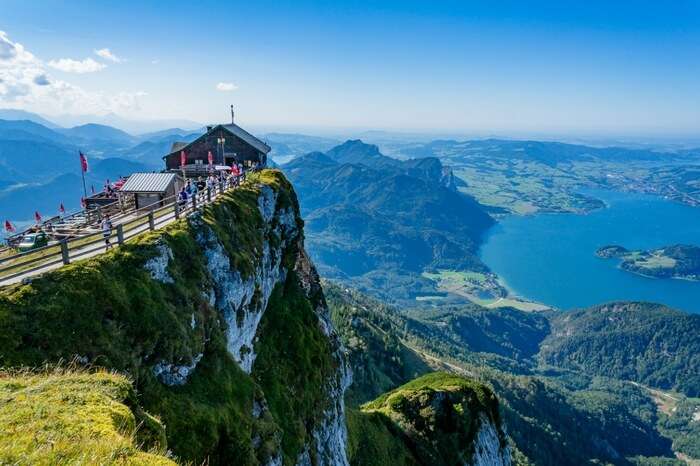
(61, 209)
(83, 162)
(183, 158)
(37, 216)
(234, 170)
(9, 227)
(210, 157)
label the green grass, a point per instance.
(436, 381)
(81, 418)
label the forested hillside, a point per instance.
(647, 343)
(555, 415)
(379, 223)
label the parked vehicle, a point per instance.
(32, 241)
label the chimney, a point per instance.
(232, 115)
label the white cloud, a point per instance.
(155, 62)
(26, 84)
(77, 66)
(226, 87)
(7, 48)
(108, 55)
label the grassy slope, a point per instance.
(107, 309)
(66, 417)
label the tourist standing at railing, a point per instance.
(182, 197)
(107, 231)
(189, 189)
(199, 186)
(211, 183)
(194, 190)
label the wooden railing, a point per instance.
(128, 224)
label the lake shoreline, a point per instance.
(547, 258)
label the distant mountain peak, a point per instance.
(354, 151)
(13, 114)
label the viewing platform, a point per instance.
(193, 177)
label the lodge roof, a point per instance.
(247, 137)
(178, 146)
(148, 182)
(232, 128)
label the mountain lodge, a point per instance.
(227, 143)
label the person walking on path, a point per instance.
(107, 231)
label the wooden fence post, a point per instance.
(64, 251)
(151, 223)
(120, 234)
(208, 193)
(177, 209)
(194, 202)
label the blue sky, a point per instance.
(611, 68)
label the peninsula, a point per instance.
(677, 261)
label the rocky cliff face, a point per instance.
(219, 319)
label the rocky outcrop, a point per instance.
(489, 447)
(173, 374)
(242, 298)
(158, 264)
(443, 419)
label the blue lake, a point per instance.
(550, 258)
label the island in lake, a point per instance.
(677, 261)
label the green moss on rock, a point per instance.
(437, 417)
(376, 441)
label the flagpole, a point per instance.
(84, 188)
(82, 174)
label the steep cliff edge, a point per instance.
(219, 319)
